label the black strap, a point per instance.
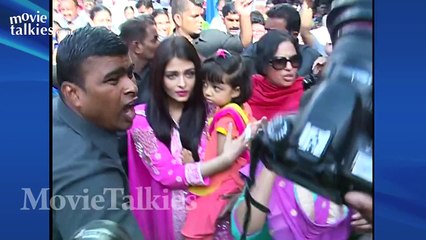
(257, 205)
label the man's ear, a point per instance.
(235, 92)
(136, 47)
(72, 94)
(177, 18)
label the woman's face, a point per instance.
(179, 80)
(285, 72)
(102, 19)
(129, 13)
(162, 22)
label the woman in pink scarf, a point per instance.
(168, 128)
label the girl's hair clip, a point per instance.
(222, 53)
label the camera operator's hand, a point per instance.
(363, 203)
(360, 224)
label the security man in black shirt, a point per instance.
(97, 94)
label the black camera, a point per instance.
(327, 146)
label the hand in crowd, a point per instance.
(360, 224)
(243, 7)
(319, 65)
(363, 204)
(308, 3)
(187, 156)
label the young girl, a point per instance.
(228, 86)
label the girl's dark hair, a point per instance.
(129, 7)
(194, 115)
(98, 8)
(231, 69)
(267, 47)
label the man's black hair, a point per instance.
(288, 13)
(257, 17)
(146, 3)
(229, 8)
(135, 29)
(77, 47)
(179, 6)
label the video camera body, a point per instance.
(327, 146)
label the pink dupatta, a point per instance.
(158, 180)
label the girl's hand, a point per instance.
(232, 149)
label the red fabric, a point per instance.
(269, 100)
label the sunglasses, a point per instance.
(280, 63)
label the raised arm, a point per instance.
(243, 7)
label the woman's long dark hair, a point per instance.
(192, 121)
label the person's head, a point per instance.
(283, 17)
(257, 25)
(55, 5)
(101, 17)
(226, 79)
(69, 9)
(141, 36)
(278, 58)
(269, 5)
(323, 7)
(187, 16)
(231, 18)
(88, 5)
(95, 76)
(176, 84)
(219, 6)
(162, 22)
(129, 12)
(144, 6)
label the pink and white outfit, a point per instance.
(159, 180)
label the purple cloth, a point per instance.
(287, 219)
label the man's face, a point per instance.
(323, 9)
(258, 31)
(220, 6)
(150, 43)
(191, 20)
(232, 23)
(69, 10)
(102, 19)
(144, 10)
(275, 24)
(110, 92)
(162, 22)
(88, 5)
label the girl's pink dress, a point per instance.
(202, 221)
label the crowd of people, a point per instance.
(154, 109)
